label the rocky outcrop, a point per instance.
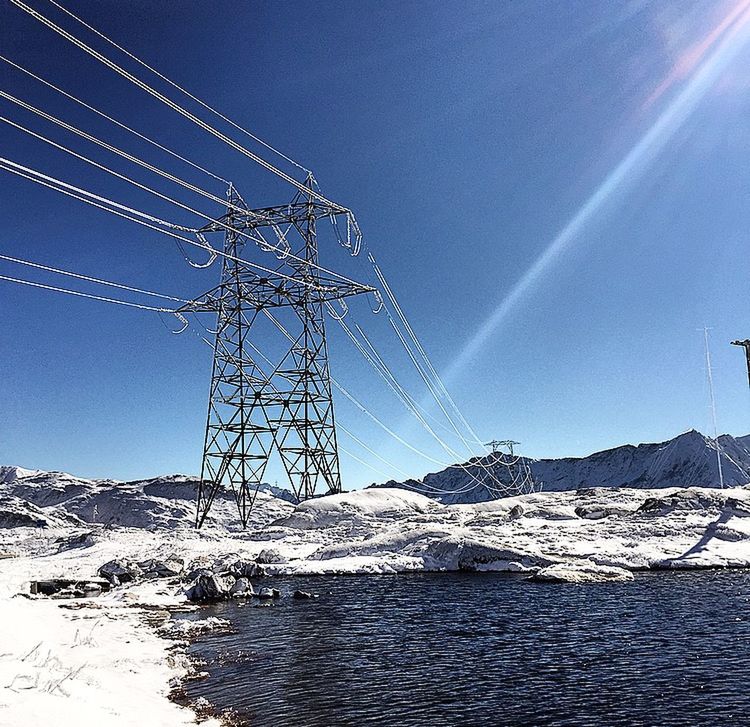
(120, 571)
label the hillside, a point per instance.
(688, 460)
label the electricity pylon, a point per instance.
(746, 345)
(522, 480)
(256, 404)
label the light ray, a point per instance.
(635, 162)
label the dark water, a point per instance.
(483, 649)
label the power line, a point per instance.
(262, 242)
(113, 120)
(86, 295)
(173, 105)
(89, 278)
(365, 446)
(398, 389)
(129, 214)
(181, 89)
(109, 147)
(399, 311)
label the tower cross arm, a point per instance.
(295, 212)
(275, 291)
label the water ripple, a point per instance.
(669, 649)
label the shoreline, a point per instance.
(85, 662)
(140, 613)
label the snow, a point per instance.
(89, 667)
(582, 572)
(686, 460)
(86, 662)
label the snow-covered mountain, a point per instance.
(687, 460)
(39, 499)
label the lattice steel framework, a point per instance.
(746, 345)
(256, 406)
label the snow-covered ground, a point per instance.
(106, 660)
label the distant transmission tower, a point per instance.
(520, 477)
(746, 345)
(257, 403)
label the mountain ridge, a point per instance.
(689, 459)
(37, 497)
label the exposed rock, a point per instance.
(270, 555)
(65, 587)
(80, 540)
(471, 555)
(303, 595)
(267, 593)
(242, 588)
(247, 569)
(210, 588)
(120, 571)
(19, 519)
(168, 568)
(196, 573)
(686, 499)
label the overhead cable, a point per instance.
(113, 120)
(89, 278)
(87, 295)
(171, 200)
(173, 105)
(181, 89)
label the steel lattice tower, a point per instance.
(252, 407)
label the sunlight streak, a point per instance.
(736, 33)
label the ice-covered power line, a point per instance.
(112, 120)
(377, 356)
(387, 375)
(438, 382)
(173, 105)
(181, 89)
(89, 278)
(376, 470)
(144, 187)
(109, 147)
(130, 214)
(369, 449)
(81, 294)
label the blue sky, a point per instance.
(466, 137)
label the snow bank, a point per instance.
(385, 504)
(88, 668)
(581, 572)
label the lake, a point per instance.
(670, 648)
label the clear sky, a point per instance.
(557, 192)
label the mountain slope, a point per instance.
(39, 499)
(687, 460)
